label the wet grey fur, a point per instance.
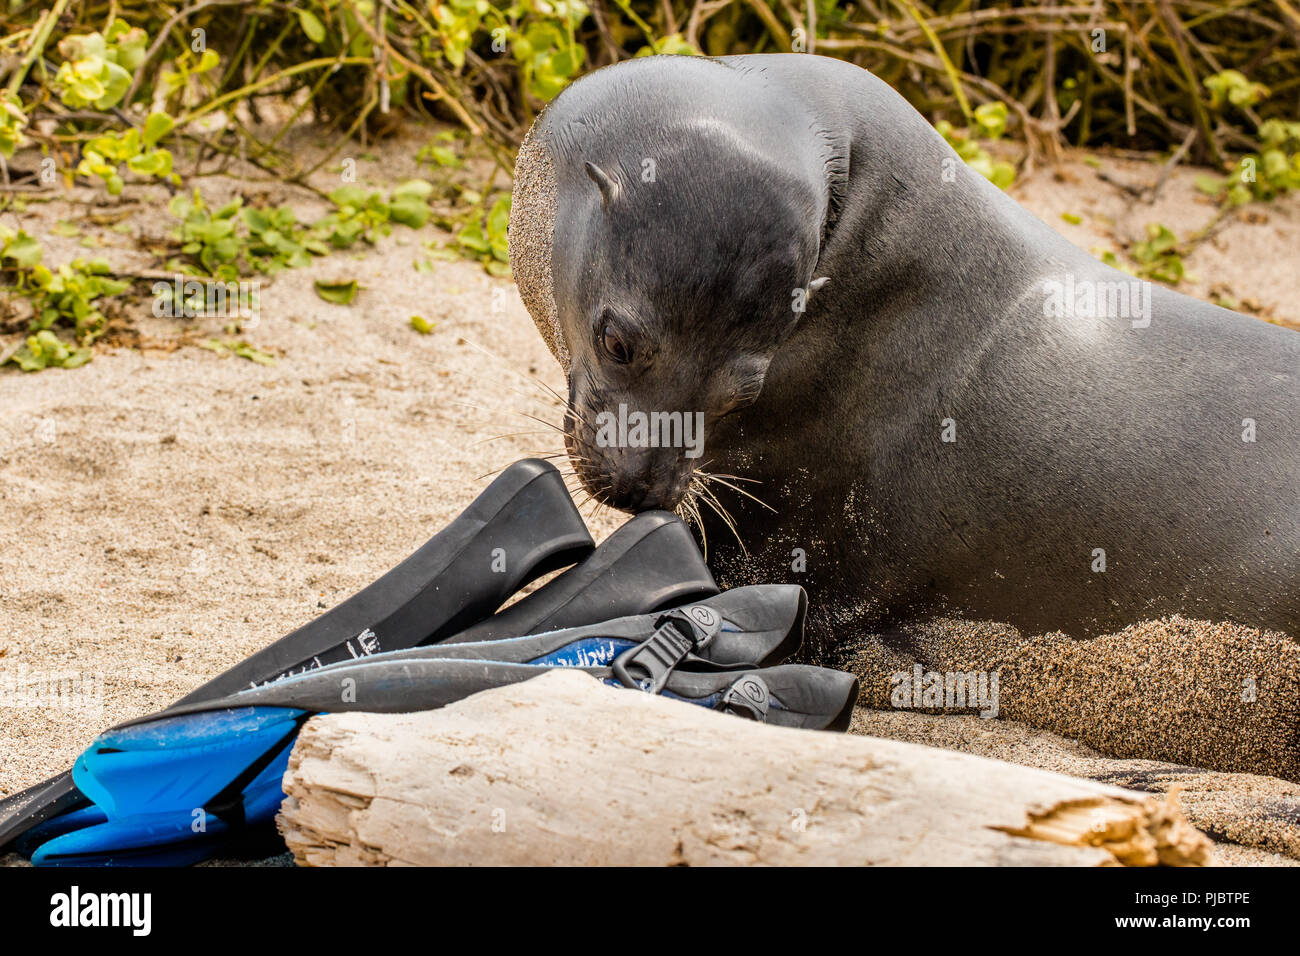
(1073, 434)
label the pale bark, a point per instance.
(562, 770)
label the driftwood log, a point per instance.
(562, 770)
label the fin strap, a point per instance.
(678, 633)
(748, 697)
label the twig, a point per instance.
(162, 36)
(1179, 154)
(948, 67)
(1175, 31)
(38, 46)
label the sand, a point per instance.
(164, 511)
(1223, 697)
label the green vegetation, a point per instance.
(119, 94)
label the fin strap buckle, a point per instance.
(678, 632)
(747, 697)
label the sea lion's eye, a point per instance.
(614, 346)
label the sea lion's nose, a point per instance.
(633, 497)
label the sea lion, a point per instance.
(946, 405)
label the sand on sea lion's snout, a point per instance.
(1218, 696)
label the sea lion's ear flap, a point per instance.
(747, 377)
(608, 188)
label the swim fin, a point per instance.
(156, 776)
(649, 562)
(224, 773)
(745, 628)
(160, 806)
(522, 526)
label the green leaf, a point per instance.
(311, 26)
(419, 188)
(1004, 174)
(348, 196)
(117, 81)
(409, 211)
(246, 351)
(471, 237)
(442, 155)
(77, 358)
(339, 293)
(25, 251)
(156, 127)
(257, 220)
(157, 163)
(240, 349)
(991, 118)
(421, 324)
(207, 61)
(1210, 185)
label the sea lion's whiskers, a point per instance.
(689, 512)
(548, 392)
(559, 399)
(600, 506)
(597, 506)
(720, 474)
(480, 408)
(716, 479)
(484, 441)
(699, 523)
(578, 417)
(533, 418)
(709, 498)
(526, 376)
(541, 421)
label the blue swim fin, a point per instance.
(648, 563)
(525, 518)
(172, 788)
(221, 762)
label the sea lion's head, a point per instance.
(675, 278)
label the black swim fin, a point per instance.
(227, 756)
(743, 628)
(522, 526)
(650, 562)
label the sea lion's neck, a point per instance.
(925, 223)
(929, 266)
(926, 261)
